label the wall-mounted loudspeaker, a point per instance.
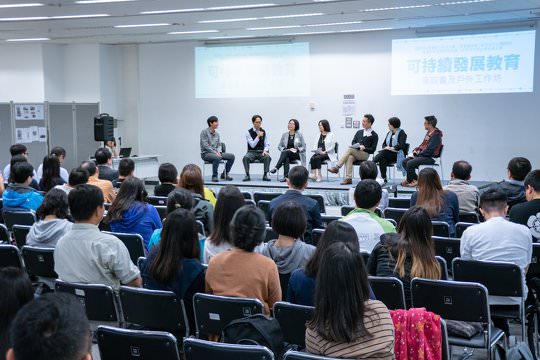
(103, 127)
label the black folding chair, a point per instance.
(134, 244)
(246, 195)
(157, 200)
(316, 235)
(389, 290)
(440, 228)
(196, 349)
(328, 163)
(39, 261)
(461, 227)
(18, 217)
(19, 233)
(10, 256)
(346, 209)
(124, 344)
(365, 256)
(4, 233)
(399, 203)
(267, 196)
(270, 234)
(292, 320)
(213, 312)
(447, 248)
(249, 202)
(162, 211)
(327, 219)
(200, 228)
(444, 267)
(394, 213)
(297, 355)
(469, 217)
(454, 300)
(264, 205)
(320, 201)
(141, 261)
(284, 282)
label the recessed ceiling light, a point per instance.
(291, 16)
(226, 20)
(170, 11)
(232, 7)
(193, 32)
(77, 16)
(28, 39)
(398, 8)
(141, 25)
(100, 1)
(5, 6)
(336, 23)
(274, 27)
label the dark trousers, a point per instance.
(285, 158)
(384, 158)
(214, 159)
(316, 161)
(411, 164)
(252, 156)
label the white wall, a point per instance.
(21, 73)
(485, 129)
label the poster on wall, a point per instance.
(29, 112)
(349, 105)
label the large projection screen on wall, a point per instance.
(467, 64)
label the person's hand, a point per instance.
(388, 148)
(293, 150)
(260, 134)
(218, 153)
(362, 147)
(265, 153)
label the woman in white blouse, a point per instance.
(324, 149)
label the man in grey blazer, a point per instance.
(292, 147)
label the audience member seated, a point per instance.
(130, 214)
(288, 251)
(87, 255)
(60, 153)
(393, 148)
(368, 225)
(241, 272)
(229, 200)
(467, 194)
(15, 291)
(298, 182)
(346, 322)
(518, 168)
(51, 173)
(168, 177)
(301, 289)
(126, 169)
(52, 222)
(77, 176)
(529, 213)
(191, 179)
(408, 254)
(368, 170)
(441, 205)
(21, 159)
(16, 150)
(174, 264)
(53, 327)
(104, 162)
(19, 195)
(93, 179)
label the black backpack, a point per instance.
(256, 329)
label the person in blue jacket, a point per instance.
(19, 195)
(130, 214)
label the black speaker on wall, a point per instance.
(103, 127)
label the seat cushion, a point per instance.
(478, 340)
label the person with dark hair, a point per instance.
(168, 177)
(408, 254)
(368, 225)
(104, 163)
(297, 183)
(15, 150)
(174, 264)
(19, 195)
(15, 291)
(126, 169)
(257, 148)
(363, 144)
(368, 170)
(51, 173)
(22, 159)
(111, 146)
(349, 325)
(292, 147)
(60, 154)
(425, 152)
(441, 205)
(52, 222)
(203, 198)
(129, 213)
(212, 150)
(528, 213)
(288, 251)
(467, 194)
(77, 176)
(87, 255)
(393, 148)
(324, 149)
(93, 179)
(229, 200)
(241, 272)
(517, 170)
(54, 326)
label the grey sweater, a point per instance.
(289, 258)
(47, 233)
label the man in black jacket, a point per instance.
(104, 163)
(528, 213)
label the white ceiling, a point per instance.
(365, 15)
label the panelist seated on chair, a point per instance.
(323, 150)
(425, 152)
(211, 150)
(292, 147)
(363, 144)
(393, 147)
(257, 148)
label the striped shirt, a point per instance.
(380, 345)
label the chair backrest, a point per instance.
(134, 244)
(327, 219)
(534, 266)
(264, 205)
(246, 195)
(393, 222)
(18, 217)
(468, 217)
(501, 279)
(270, 234)
(98, 300)
(284, 282)
(213, 312)
(365, 256)
(39, 261)
(298, 355)
(196, 349)
(154, 310)
(316, 235)
(292, 320)
(157, 200)
(440, 228)
(268, 196)
(379, 212)
(453, 300)
(320, 201)
(200, 228)
(389, 290)
(447, 248)
(444, 342)
(19, 233)
(394, 213)
(346, 209)
(115, 343)
(10, 256)
(249, 202)
(104, 226)
(162, 211)
(460, 228)
(140, 262)
(4, 233)
(444, 267)
(400, 203)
